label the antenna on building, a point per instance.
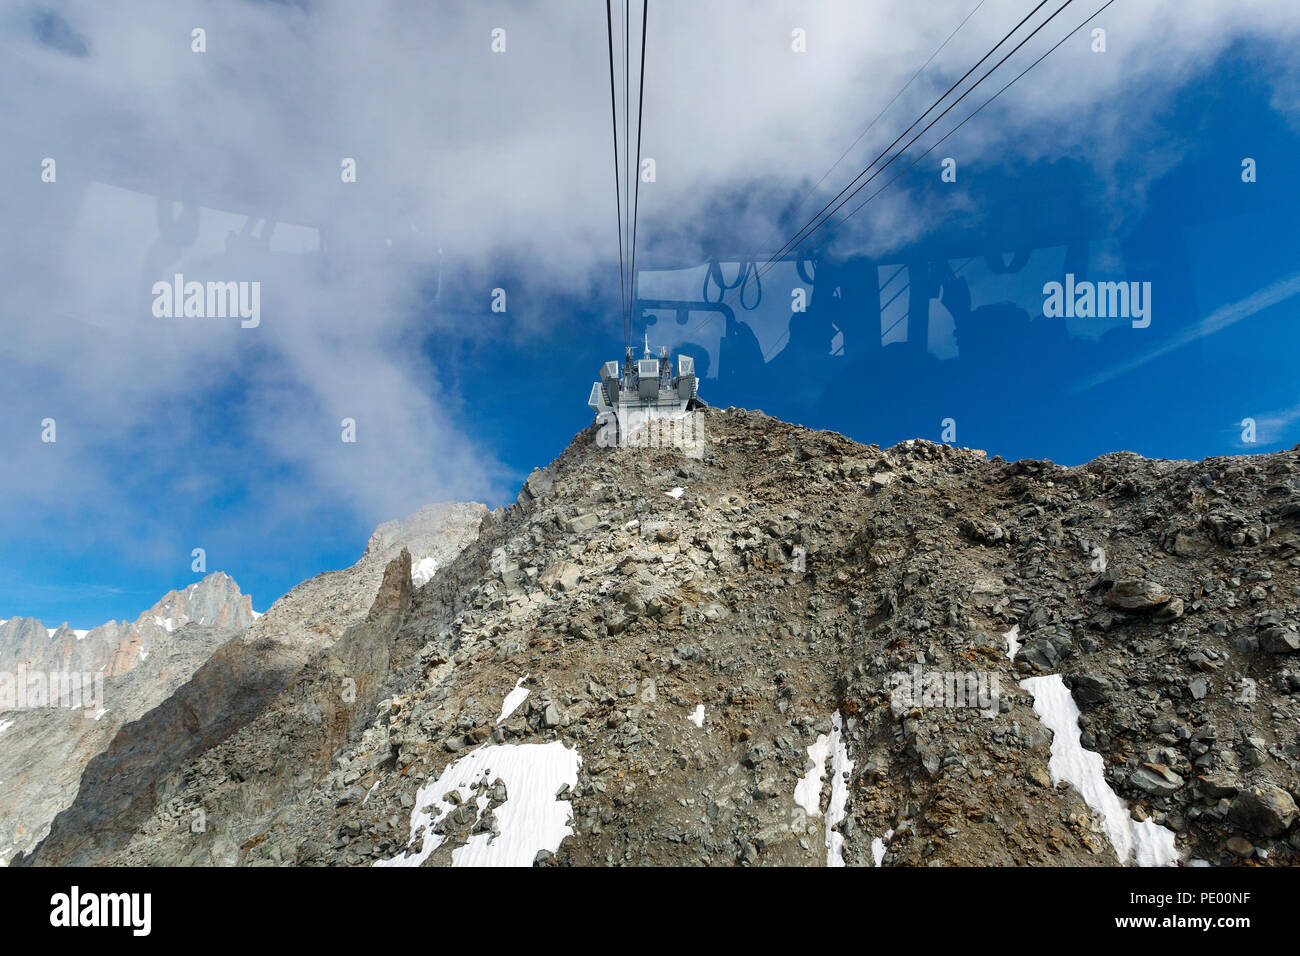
(643, 393)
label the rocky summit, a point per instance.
(789, 649)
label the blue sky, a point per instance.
(480, 171)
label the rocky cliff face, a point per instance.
(330, 618)
(120, 670)
(792, 650)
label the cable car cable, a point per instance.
(618, 195)
(636, 171)
(767, 265)
(796, 237)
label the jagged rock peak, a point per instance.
(117, 646)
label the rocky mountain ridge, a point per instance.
(238, 681)
(119, 670)
(117, 646)
(792, 650)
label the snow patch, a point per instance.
(1099, 561)
(841, 767)
(878, 846)
(1145, 843)
(423, 572)
(808, 791)
(1013, 641)
(532, 819)
(165, 624)
(514, 699)
(697, 716)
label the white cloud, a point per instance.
(457, 148)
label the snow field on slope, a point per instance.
(532, 818)
(1145, 843)
(808, 791)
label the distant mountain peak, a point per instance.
(117, 646)
(433, 535)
